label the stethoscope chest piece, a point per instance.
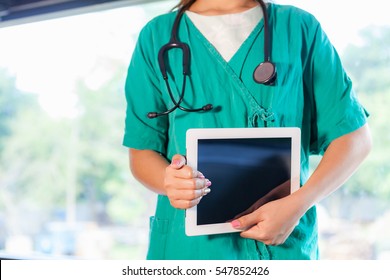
(265, 73)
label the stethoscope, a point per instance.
(265, 72)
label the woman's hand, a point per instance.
(273, 222)
(184, 186)
(276, 193)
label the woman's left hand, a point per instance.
(273, 222)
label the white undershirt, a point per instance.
(227, 32)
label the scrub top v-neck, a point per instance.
(259, 103)
(227, 32)
(303, 97)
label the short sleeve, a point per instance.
(143, 95)
(337, 110)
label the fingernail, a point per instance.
(199, 184)
(176, 162)
(236, 224)
(208, 183)
(200, 175)
(206, 191)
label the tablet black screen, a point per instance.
(245, 174)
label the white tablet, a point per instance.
(247, 167)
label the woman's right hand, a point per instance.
(184, 186)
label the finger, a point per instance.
(202, 184)
(253, 234)
(259, 233)
(187, 194)
(185, 172)
(205, 191)
(185, 184)
(246, 221)
(256, 233)
(178, 161)
(185, 204)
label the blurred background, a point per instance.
(65, 187)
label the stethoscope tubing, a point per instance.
(265, 73)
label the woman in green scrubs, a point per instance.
(312, 92)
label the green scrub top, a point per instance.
(312, 92)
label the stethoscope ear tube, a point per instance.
(172, 45)
(205, 108)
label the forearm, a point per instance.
(340, 161)
(148, 167)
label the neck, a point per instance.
(220, 7)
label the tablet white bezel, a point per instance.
(192, 137)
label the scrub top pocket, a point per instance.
(157, 238)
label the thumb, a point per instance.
(178, 161)
(245, 221)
